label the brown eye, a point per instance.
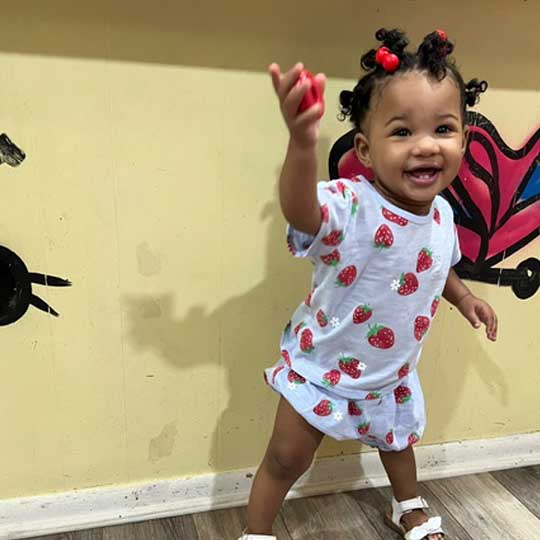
(444, 129)
(401, 132)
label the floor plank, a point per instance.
(229, 524)
(486, 509)
(181, 527)
(88, 534)
(328, 517)
(524, 484)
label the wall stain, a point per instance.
(163, 445)
(148, 262)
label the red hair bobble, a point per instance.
(442, 35)
(388, 60)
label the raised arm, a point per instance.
(298, 179)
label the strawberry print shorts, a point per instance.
(389, 422)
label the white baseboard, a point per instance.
(73, 510)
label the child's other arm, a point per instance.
(475, 310)
(298, 179)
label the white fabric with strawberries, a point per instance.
(379, 272)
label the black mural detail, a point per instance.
(10, 153)
(16, 294)
(495, 199)
(16, 288)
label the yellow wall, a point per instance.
(154, 145)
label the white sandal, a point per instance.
(420, 532)
(256, 536)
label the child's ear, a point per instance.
(466, 133)
(361, 148)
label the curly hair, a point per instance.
(431, 57)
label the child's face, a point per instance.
(414, 139)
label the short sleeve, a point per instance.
(456, 252)
(339, 203)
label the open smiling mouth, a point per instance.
(423, 176)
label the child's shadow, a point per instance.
(239, 338)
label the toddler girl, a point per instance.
(383, 254)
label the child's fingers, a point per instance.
(492, 327)
(293, 99)
(275, 73)
(473, 318)
(320, 79)
(313, 114)
(289, 80)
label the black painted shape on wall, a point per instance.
(16, 288)
(10, 153)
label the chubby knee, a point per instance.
(288, 461)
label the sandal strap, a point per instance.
(420, 532)
(404, 507)
(256, 536)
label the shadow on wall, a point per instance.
(249, 327)
(246, 35)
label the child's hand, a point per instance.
(477, 311)
(303, 127)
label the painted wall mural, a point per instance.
(16, 281)
(496, 203)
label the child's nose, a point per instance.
(426, 146)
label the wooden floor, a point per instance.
(503, 505)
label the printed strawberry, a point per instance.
(402, 394)
(307, 301)
(413, 438)
(373, 395)
(384, 237)
(408, 284)
(363, 428)
(354, 410)
(347, 276)
(404, 371)
(331, 378)
(424, 261)
(349, 366)
(421, 325)
(435, 305)
(361, 314)
(265, 377)
(380, 336)
(299, 327)
(333, 239)
(323, 408)
(306, 340)
(437, 216)
(276, 371)
(295, 378)
(325, 213)
(354, 206)
(322, 319)
(286, 357)
(331, 259)
(342, 188)
(290, 246)
(394, 218)
(389, 437)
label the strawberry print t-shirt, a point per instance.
(379, 272)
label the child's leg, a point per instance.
(289, 454)
(401, 470)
